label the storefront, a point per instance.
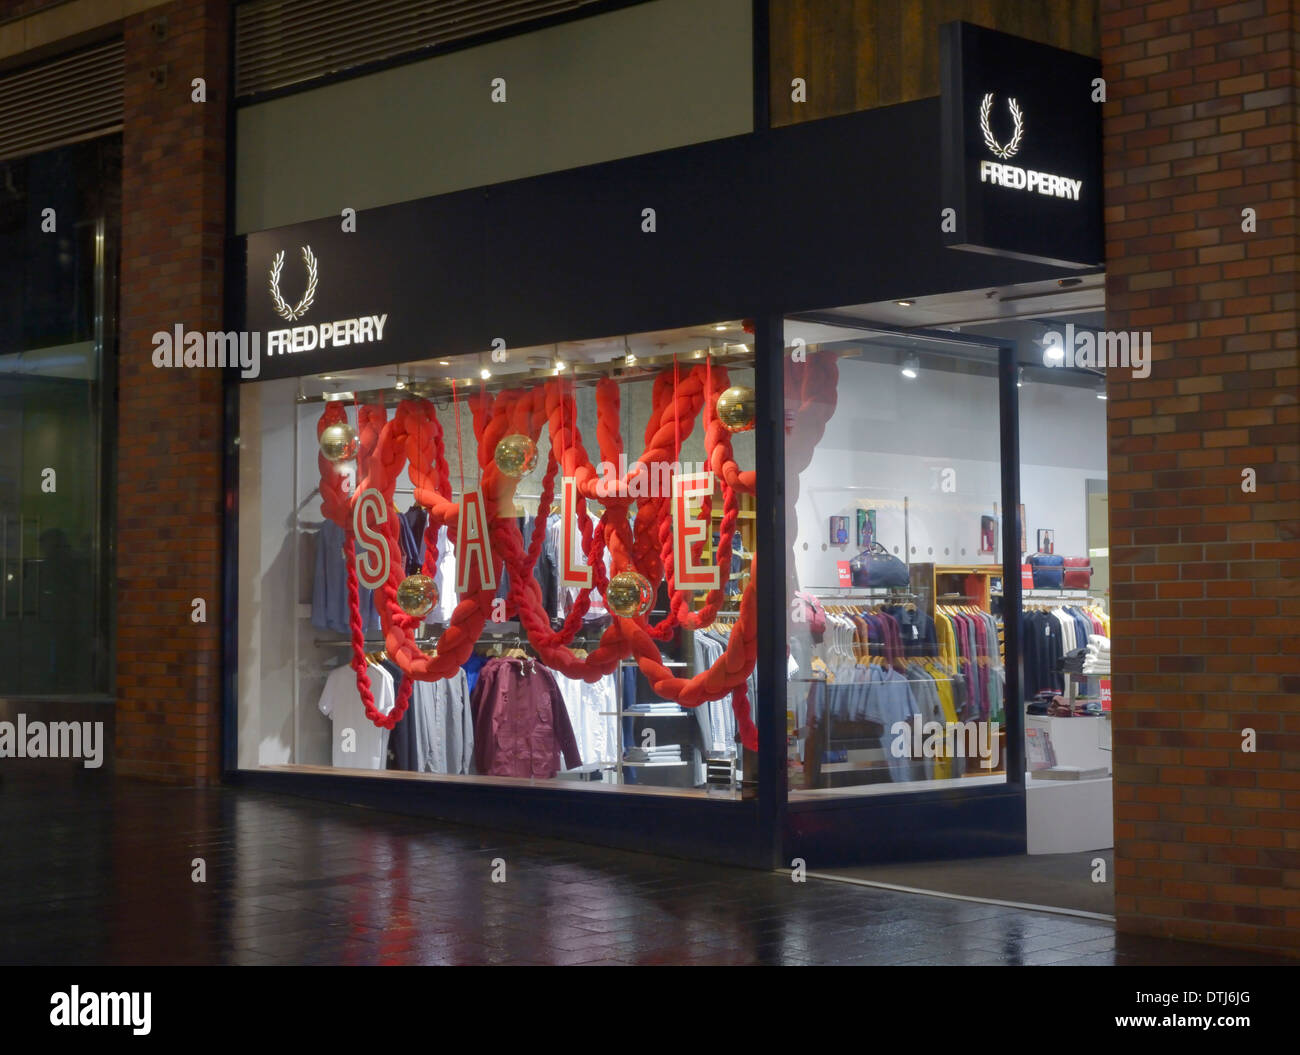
(526, 475)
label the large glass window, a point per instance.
(893, 485)
(58, 235)
(895, 579)
(643, 679)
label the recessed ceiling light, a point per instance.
(904, 303)
(485, 373)
(720, 326)
(444, 362)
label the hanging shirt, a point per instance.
(436, 734)
(592, 706)
(329, 591)
(340, 702)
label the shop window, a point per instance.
(893, 484)
(59, 216)
(500, 661)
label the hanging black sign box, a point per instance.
(1020, 148)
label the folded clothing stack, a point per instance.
(1072, 662)
(1097, 661)
(654, 707)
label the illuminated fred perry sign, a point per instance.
(361, 330)
(1013, 176)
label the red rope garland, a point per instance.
(643, 545)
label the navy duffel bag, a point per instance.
(1048, 569)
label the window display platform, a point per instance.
(1069, 816)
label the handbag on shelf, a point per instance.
(876, 566)
(1048, 569)
(1077, 573)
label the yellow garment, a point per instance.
(947, 640)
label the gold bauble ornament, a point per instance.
(629, 594)
(736, 408)
(417, 594)
(515, 455)
(338, 442)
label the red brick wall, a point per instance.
(1200, 123)
(169, 461)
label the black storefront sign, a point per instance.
(1021, 148)
(793, 219)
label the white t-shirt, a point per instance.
(340, 701)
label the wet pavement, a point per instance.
(106, 874)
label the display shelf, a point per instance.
(645, 714)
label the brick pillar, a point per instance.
(1201, 123)
(169, 490)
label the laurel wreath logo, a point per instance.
(281, 305)
(990, 141)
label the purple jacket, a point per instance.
(521, 726)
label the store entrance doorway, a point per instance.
(1061, 609)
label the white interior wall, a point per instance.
(891, 438)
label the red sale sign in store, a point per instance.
(1105, 694)
(1026, 577)
(846, 576)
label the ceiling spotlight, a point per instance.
(444, 362)
(904, 303)
(400, 385)
(559, 366)
(333, 397)
(911, 367)
(720, 326)
(629, 359)
(698, 353)
(485, 373)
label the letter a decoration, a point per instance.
(473, 544)
(688, 530)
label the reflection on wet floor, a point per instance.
(89, 877)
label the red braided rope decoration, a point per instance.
(413, 438)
